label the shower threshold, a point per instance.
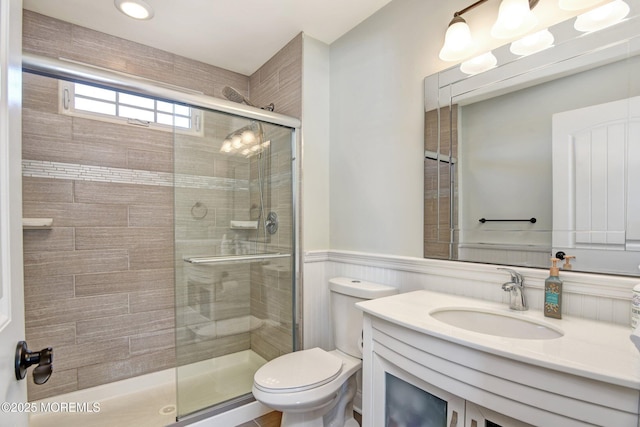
(150, 400)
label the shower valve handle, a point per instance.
(25, 358)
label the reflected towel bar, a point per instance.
(531, 220)
(233, 258)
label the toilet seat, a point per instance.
(298, 371)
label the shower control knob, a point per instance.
(25, 358)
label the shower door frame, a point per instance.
(84, 73)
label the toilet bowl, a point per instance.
(315, 388)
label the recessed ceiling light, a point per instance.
(137, 9)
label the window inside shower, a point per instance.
(111, 105)
(234, 256)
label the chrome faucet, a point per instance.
(516, 290)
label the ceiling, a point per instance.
(238, 35)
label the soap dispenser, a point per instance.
(567, 262)
(553, 292)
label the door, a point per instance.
(12, 392)
(596, 154)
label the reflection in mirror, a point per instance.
(544, 149)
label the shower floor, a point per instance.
(150, 401)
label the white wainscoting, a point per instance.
(594, 296)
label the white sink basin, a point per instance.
(496, 323)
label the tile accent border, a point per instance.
(78, 172)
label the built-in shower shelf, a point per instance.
(234, 258)
(243, 225)
(37, 223)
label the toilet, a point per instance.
(315, 388)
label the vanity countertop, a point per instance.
(596, 350)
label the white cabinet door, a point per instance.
(402, 399)
(12, 392)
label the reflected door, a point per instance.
(596, 154)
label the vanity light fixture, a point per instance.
(514, 19)
(532, 43)
(479, 64)
(602, 17)
(137, 9)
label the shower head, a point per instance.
(233, 95)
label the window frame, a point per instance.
(67, 106)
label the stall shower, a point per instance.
(172, 248)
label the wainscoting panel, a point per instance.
(593, 296)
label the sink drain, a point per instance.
(167, 410)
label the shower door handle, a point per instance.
(25, 358)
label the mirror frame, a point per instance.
(572, 52)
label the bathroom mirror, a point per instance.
(539, 155)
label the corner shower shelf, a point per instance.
(234, 258)
(243, 225)
(37, 223)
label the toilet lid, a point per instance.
(298, 371)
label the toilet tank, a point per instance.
(346, 317)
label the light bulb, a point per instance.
(514, 19)
(479, 64)
(532, 43)
(236, 141)
(602, 17)
(248, 137)
(458, 43)
(226, 146)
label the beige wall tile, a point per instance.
(123, 281)
(153, 341)
(62, 334)
(45, 36)
(125, 325)
(195, 351)
(56, 239)
(78, 214)
(75, 309)
(61, 382)
(39, 93)
(142, 301)
(103, 373)
(150, 216)
(78, 355)
(130, 194)
(48, 288)
(40, 264)
(46, 190)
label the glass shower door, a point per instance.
(234, 247)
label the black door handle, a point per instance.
(26, 358)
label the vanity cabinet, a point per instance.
(477, 385)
